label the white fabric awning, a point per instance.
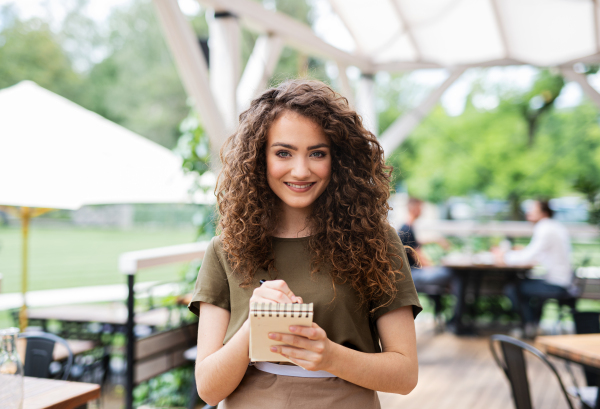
(464, 32)
(394, 35)
(56, 154)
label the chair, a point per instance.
(514, 367)
(39, 354)
(570, 299)
(588, 323)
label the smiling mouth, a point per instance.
(302, 186)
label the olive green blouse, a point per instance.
(339, 314)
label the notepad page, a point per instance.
(265, 318)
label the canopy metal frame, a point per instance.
(223, 93)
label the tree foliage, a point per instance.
(30, 51)
(137, 84)
(516, 151)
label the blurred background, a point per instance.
(494, 139)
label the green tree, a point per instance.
(137, 84)
(30, 51)
(518, 150)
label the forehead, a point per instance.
(293, 128)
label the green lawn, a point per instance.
(74, 257)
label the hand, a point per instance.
(273, 292)
(307, 347)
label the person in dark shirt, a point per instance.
(425, 275)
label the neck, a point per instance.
(411, 219)
(293, 222)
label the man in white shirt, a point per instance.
(550, 247)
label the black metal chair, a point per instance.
(588, 323)
(39, 354)
(515, 369)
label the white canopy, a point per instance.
(56, 154)
(382, 35)
(423, 33)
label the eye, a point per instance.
(283, 154)
(318, 154)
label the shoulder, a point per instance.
(215, 254)
(390, 229)
(550, 227)
(216, 245)
(394, 243)
(392, 234)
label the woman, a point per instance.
(303, 204)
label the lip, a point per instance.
(308, 185)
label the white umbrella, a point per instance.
(55, 154)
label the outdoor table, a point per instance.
(113, 315)
(55, 394)
(468, 274)
(581, 349)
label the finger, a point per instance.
(279, 285)
(313, 333)
(259, 300)
(296, 353)
(297, 299)
(272, 294)
(293, 340)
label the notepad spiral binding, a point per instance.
(281, 310)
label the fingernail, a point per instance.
(273, 349)
(271, 335)
(293, 328)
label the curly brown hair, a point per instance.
(349, 220)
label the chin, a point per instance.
(299, 205)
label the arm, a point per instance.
(529, 255)
(220, 368)
(394, 370)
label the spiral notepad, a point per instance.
(265, 318)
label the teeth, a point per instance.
(298, 186)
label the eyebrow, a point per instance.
(292, 147)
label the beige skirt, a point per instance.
(263, 390)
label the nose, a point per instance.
(301, 169)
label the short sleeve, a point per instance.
(211, 285)
(406, 294)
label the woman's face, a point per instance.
(298, 160)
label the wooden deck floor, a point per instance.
(459, 372)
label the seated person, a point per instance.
(425, 275)
(550, 247)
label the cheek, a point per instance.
(275, 170)
(324, 170)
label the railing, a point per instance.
(132, 262)
(466, 228)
